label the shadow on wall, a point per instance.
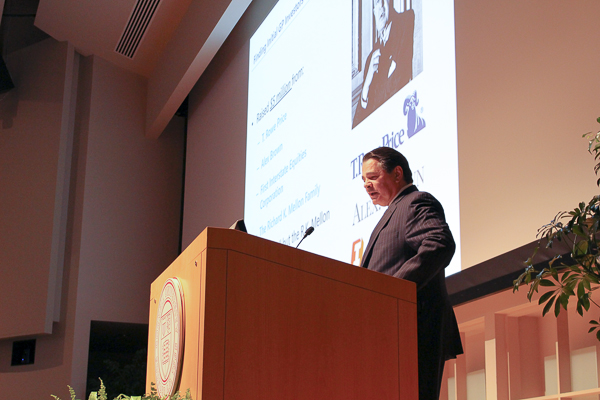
(117, 355)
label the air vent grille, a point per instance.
(138, 23)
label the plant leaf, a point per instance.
(564, 300)
(568, 289)
(557, 307)
(72, 392)
(581, 248)
(586, 302)
(580, 290)
(579, 231)
(548, 305)
(545, 297)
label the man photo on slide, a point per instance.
(388, 67)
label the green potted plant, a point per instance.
(153, 395)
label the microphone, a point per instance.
(308, 232)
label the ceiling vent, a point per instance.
(138, 23)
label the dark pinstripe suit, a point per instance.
(412, 241)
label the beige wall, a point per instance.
(216, 141)
(216, 148)
(130, 206)
(527, 79)
(30, 160)
(122, 225)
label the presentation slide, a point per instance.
(330, 80)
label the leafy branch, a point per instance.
(153, 395)
(580, 278)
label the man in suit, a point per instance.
(412, 241)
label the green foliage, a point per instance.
(71, 392)
(175, 396)
(153, 395)
(581, 278)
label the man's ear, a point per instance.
(398, 173)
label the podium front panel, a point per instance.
(266, 321)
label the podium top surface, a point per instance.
(254, 246)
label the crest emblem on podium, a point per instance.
(168, 342)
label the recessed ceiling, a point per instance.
(97, 27)
(170, 42)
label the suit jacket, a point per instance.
(412, 241)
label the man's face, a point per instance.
(381, 11)
(380, 185)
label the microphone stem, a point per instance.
(301, 240)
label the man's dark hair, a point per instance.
(390, 159)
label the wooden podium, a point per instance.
(266, 321)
